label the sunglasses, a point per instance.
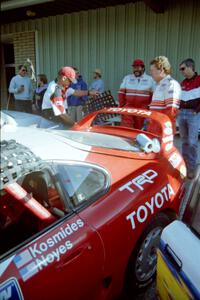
(23, 70)
(182, 69)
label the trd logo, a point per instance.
(10, 290)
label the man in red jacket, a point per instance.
(135, 91)
(189, 115)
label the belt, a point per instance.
(187, 108)
(192, 104)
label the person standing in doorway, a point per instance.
(189, 115)
(22, 89)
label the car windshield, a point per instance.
(100, 140)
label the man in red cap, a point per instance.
(54, 103)
(136, 91)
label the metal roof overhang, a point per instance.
(19, 10)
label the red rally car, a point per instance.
(82, 210)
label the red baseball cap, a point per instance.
(138, 62)
(69, 73)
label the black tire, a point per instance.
(16, 161)
(142, 264)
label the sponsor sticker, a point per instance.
(175, 159)
(168, 128)
(139, 181)
(130, 110)
(140, 214)
(169, 146)
(42, 253)
(10, 290)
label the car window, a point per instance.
(82, 182)
(43, 189)
(27, 207)
(80, 139)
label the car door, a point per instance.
(65, 262)
(62, 261)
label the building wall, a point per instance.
(109, 39)
(24, 47)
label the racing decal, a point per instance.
(4, 265)
(168, 140)
(169, 146)
(175, 159)
(142, 212)
(130, 110)
(10, 290)
(139, 181)
(41, 254)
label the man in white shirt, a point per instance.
(54, 103)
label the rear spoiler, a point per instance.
(166, 137)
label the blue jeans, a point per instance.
(189, 124)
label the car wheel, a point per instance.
(142, 265)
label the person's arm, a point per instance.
(81, 93)
(13, 87)
(172, 99)
(57, 103)
(66, 119)
(84, 88)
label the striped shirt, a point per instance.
(166, 95)
(136, 91)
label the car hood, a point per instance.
(17, 118)
(54, 145)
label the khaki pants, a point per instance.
(75, 112)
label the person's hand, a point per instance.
(57, 92)
(21, 88)
(94, 93)
(34, 108)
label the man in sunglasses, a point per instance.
(22, 89)
(189, 115)
(54, 105)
